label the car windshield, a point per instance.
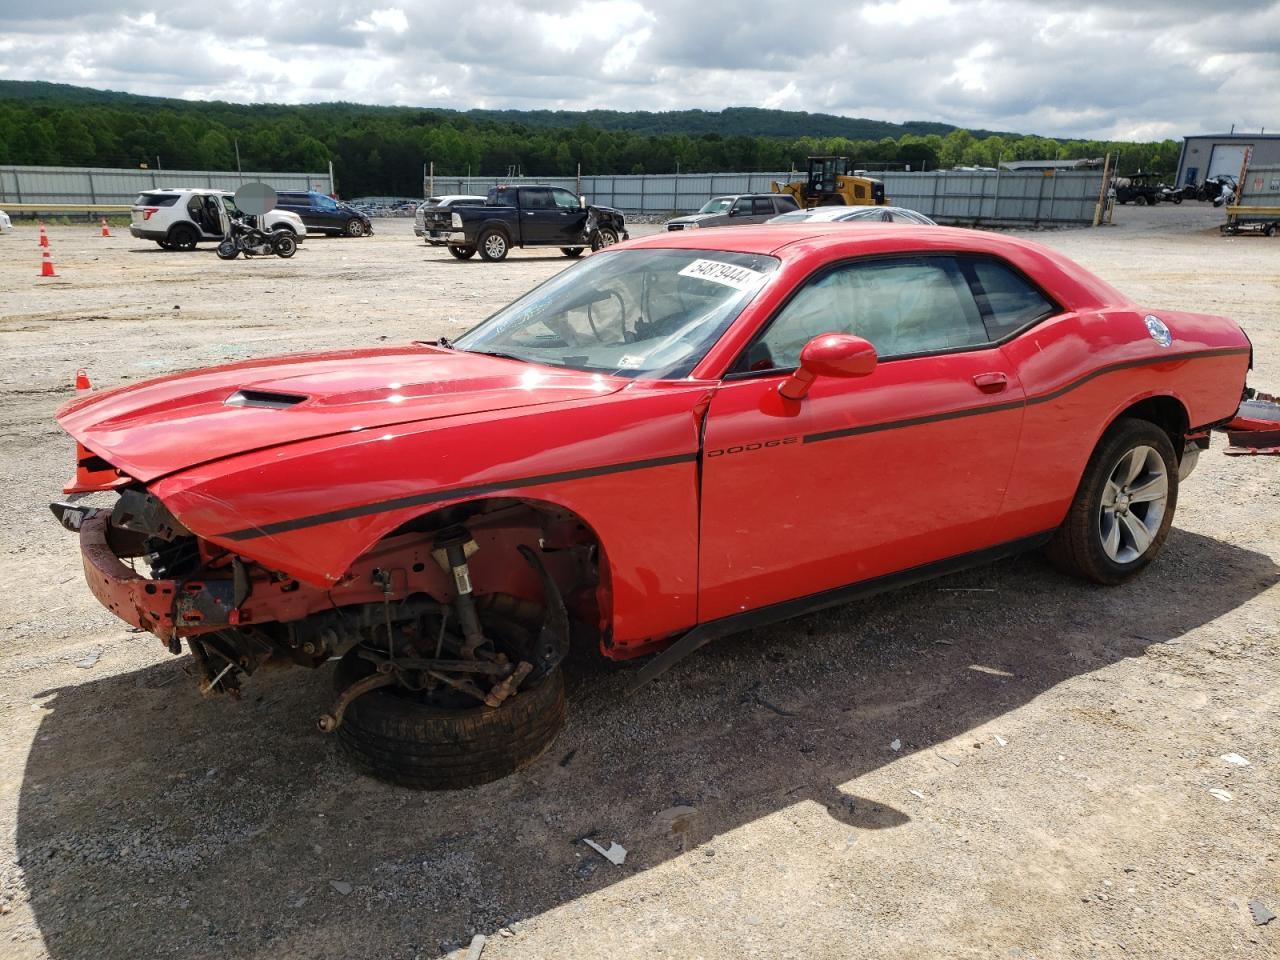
(716, 205)
(634, 313)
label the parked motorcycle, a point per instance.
(1216, 188)
(249, 239)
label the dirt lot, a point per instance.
(1057, 742)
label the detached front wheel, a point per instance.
(1123, 508)
(393, 735)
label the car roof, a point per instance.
(818, 243)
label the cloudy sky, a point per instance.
(1135, 70)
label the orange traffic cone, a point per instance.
(105, 231)
(46, 265)
(44, 237)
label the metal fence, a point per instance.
(997, 198)
(103, 185)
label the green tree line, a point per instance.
(383, 150)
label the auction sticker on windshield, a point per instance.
(740, 278)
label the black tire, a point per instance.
(604, 237)
(404, 742)
(1271, 229)
(227, 250)
(494, 245)
(1077, 546)
(572, 252)
(1140, 200)
(183, 237)
(164, 244)
(354, 228)
(463, 253)
(284, 244)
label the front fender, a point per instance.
(626, 463)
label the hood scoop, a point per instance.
(264, 399)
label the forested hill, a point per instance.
(382, 150)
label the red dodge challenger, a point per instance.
(678, 438)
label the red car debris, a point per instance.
(680, 437)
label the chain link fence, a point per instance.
(103, 187)
(995, 198)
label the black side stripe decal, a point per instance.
(1015, 404)
(436, 496)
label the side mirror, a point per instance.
(733, 211)
(582, 202)
(829, 355)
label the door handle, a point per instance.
(991, 382)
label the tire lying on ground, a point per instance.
(395, 738)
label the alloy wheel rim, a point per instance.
(1134, 501)
(495, 246)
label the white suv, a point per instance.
(179, 218)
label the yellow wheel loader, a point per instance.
(831, 184)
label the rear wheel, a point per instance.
(463, 253)
(284, 244)
(494, 245)
(1123, 508)
(183, 237)
(571, 251)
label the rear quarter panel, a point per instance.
(1082, 370)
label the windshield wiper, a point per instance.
(500, 355)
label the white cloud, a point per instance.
(391, 18)
(1056, 67)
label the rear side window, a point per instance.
(156, 200)
(762, 207)
(536, 198)
(785, 204)
(1008, 301)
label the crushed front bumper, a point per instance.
(167, 608)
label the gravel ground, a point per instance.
(1000, 764)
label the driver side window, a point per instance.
(565, 200)
(742, 208)
(903, 307)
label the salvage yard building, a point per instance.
(1208, 155)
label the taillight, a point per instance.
(148, 211)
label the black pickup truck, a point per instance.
(520, 216)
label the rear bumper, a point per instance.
(143, 233)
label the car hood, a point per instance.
(694, 217)
(160, 426)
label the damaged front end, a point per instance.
(461, 608)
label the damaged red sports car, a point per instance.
(616, 457)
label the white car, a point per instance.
(438, 238)
(877, 214)
(6, 225)
(179, 218)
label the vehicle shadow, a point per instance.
(155, 823)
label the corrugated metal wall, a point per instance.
(1261, 186)
(105, 185)
(1004, 198)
